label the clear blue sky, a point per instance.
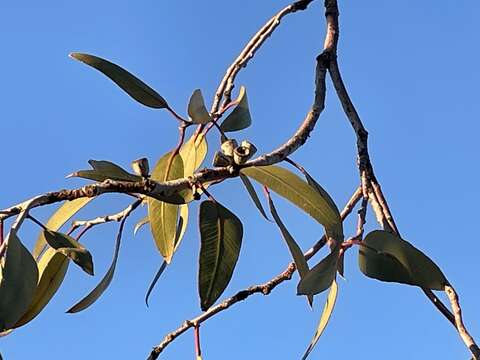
(412, 70)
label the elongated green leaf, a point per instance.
(106, 280)
(313, 183)
(253, 195)
(18, 280)
(71, 248)
(326, 314)
(239, 118)
(163, 216)
(155, 280)
(133, 86)
(197, 111)
(320, 277)
(60, 217)
(290, 186)
(386, 257)
(221, 235)
(103, 170)
(193, 153)
(52, 268)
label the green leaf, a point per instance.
(297, 254)
(52, 268)
(155, 280)
(386, 257)
(163, 216)
(321, 276)
(326, 314)
(193, 153)
(139, 225)
(253, 195)
(221, 235)
(197, 111)
(311, 181)
(239, 118)
(71, 248)
(103, 170)
(290, 186)
(18, 280)
(133, 86)
(58, 219)
(106, 280)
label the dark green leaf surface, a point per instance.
(386, 257)
(133, 86)
(71, 248)
(18, 281)
(290, 186)
(103, 170)
(197, 111)
(253, 195)
(221, 235)
(320, 277)
(239, 118)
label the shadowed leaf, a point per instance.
(71, 248)
(155, 280)
(18, 280)
(133, 86)
(253, 195)
(386, 257)
(326, 314)
(239, 118)
(320, 277)
(103, 170)
(197, 111)
(221, 235)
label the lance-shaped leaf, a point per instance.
(18, 280)
(52, 269)
(193, 153)
(239, 118)
(253, 195)
(58, 219)
(321, 276)
(293, 188)
(221, 235)
(386, 257)
(163, 216)
(103, 170)
(71, 248)
(133, 86)
(326, 314)
(140, 224)
(197, 111)
(106, 280)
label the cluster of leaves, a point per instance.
(29, 280)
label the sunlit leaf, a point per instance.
(103, 170)
(253, 195)
(313, 183)
(197, 111)
(18, 280)
(106, 280)
(290, 186)
(221, 235)
(320, 277)
(193, 153)
(133, 86)
(71, 248)
(52, 269)
(163, 216)
(60, 217)
(139, 225)
(386, 257)
(326, 314)
(239, 118)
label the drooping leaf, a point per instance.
(290, 186)
(326, 314)
(103, 170)
(320, 277)
(313, 183)
(163, 216)
(133, 86)
(52, 269)
(106, 280)
(155, 280)
(139, 225)
(386, 257)
(71, 248)
(239, 118)
(221, 235)
(18, 280)
(253, 195)
(60, 217)
(197, 111)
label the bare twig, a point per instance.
(264, 289)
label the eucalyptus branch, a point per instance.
(264, 289)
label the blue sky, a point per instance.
(412, 71)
